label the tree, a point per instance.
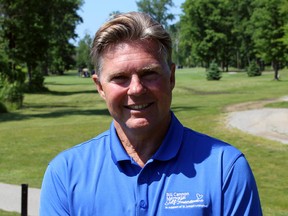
(83, 53)
(64, 19)
(253, 69)
(267, 27)
(206, 27)
(213, 72)
(114, 13)
(241, 11)
(284, 14)
(174, 31)
(35, 30)
(158, 9)
(26, 28)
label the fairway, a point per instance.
(72, 112)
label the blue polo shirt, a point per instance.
(190, 174)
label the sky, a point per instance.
(94, 13)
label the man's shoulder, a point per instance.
(201, 143)
(86, 150)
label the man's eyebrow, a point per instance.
(144, 69)
(150, 68)
(117, 73)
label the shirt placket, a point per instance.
(142, 194)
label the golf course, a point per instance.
(72, 112)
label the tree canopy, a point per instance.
(36, 34)
(158, 9)
(234, 33)
(83, 53)
(34, 40)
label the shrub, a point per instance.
(36, 83)
(253, 69)
(213, 72)
(11, 94)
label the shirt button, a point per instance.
(143, 204)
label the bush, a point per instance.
(11, 94)
(36, 83)
(253, 69)
(213, 72)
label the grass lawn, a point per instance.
(73, 112)
(283, 104)
(3, 213)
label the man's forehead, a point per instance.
(148, 46)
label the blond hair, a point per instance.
(125, 27)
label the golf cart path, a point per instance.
(10, 199)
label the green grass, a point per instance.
(3, 213)
(73, 112)
(283, 104)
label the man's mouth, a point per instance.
(138, 106)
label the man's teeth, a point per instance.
(138, 107)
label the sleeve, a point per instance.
(240, 194)
(53, 199)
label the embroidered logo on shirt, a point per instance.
(184, 200)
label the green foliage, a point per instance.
(206, 30)
(60, 59)
(11, 94)
(83, 59)
(234, 32)
(36, 83)
(268, 30)
(213, 72)
(13, 75)
(11, 88)
(4, 66)
(37, 34)
(253, 69)
(159, 10)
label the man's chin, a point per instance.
(138, 123)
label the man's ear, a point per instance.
(97, 82)
(172, 75)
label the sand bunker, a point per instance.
(265, 122)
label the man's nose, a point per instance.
(136, 87)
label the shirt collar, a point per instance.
(117, 150)
(168, 149)
(172, 141)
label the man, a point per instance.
(147, 163)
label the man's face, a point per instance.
(136, 83)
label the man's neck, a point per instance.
(141, 146)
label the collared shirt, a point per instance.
(190, 174)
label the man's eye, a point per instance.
(118, 79)
(150, 75)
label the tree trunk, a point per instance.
(29, 74)
(238, 60)
(276, 70)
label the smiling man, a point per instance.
(147, 163)
(136, 83)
